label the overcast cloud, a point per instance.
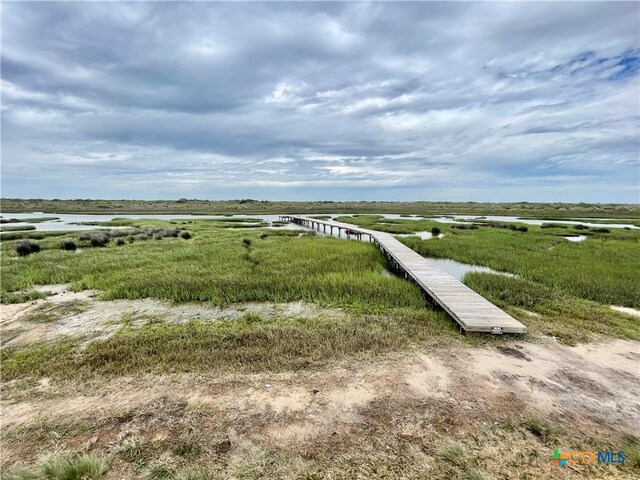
(328, 101)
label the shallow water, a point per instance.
(577, 238)
(422, 235)
(459, 270)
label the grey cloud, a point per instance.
(381, 100)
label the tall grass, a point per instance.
(557, 314)
(214, 266)
(600, 268)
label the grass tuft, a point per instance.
(77, 467)
(160, 472)
(543, 429)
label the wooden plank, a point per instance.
(473, 312)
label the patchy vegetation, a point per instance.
(251, 344)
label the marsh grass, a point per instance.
(22, 297)
(603, 269)
(16, 228)
(553, 313)
(214, 266)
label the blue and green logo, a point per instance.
(579, 456)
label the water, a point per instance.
(459, 270)
(576, 238)
(422, 235)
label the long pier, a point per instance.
(473, 312)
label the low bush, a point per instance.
(99, 240)
(25, 247)
(186, 235)
(435, 231)
(120, 242)
(462, 226)
(68, 245)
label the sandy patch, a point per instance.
(627, 310)
(83, 314)
(599, 382)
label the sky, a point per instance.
(321, 101)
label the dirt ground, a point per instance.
(406, 407)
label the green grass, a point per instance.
(251, 344)
(16, 228)
(21, 297)
(215, 266)
(65, 467)
(604, 268)
(555, 313)
(546, 431)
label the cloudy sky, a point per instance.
(328, 101)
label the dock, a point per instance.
(471, 311)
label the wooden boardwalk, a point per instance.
(473, 312)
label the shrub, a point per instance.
(99, 240)
(68, 245)
(435, 231)
(262, 236)
(84, 236)
(120, 241)
(523, 229)
(186, 235)
(25, 247)
(462, 226)
(131, 239)
(600, 230)
(246, 242)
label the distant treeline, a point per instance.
(249, 206)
